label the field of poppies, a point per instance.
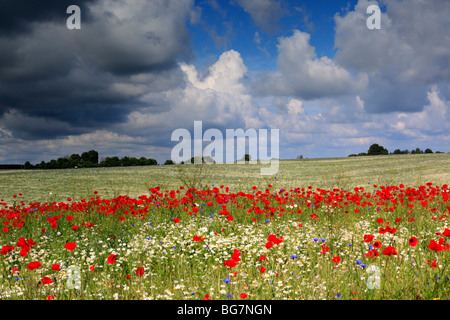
(264, 242)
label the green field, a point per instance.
(57, 185)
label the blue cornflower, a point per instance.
(294, 256)
(16, 278)
(338, 296)
(358, 261)
(267, 221)
(323, 239)
(349, 244)
(363, 265)
(148, 238)
(226, 280)
(229, 296)
(315, 239)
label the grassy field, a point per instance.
(57, 185)
(366, 228)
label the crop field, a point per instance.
(362, 228)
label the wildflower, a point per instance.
(34, 265)
(112, 259)
(413, 241)
(389, 251)
(336, 259)
(140, 271)
(70, 246)
(46, 280)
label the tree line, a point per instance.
(375, 149)
(90, 159)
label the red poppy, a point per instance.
(368, 237)
(243, 295)
(413, 241)
(336, 259)
(176, 220)
(92, 268)
(230, 263)
(380, 220)
(112, 259)
(269, 245)
(261, 258)
(324, 249)
(377, 244)
(197, 238)
(262, 269)
(435, 246)
(6, 249)
(389, 251)
(46, 280)
(230, 217)
(446, 232)
(34, 265)
(140, 271)
(236, 255)
(55, 267)
(70, 246)
(69, 218)
(433, 264)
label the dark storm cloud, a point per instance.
(19, 16)
(55, 81)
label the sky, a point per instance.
(138, 70)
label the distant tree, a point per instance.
(168, 162)
(428, 150)
(352, 155)
(247, 157)
(27, 165)
(376, 149)
(134, 161)
(42, 165)
(90, 156)
(52, 164)
(438, 152)
(125, 161)
(142, 161)
(362, 154)
(110, 162)
(417, 151)
(152, 162)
